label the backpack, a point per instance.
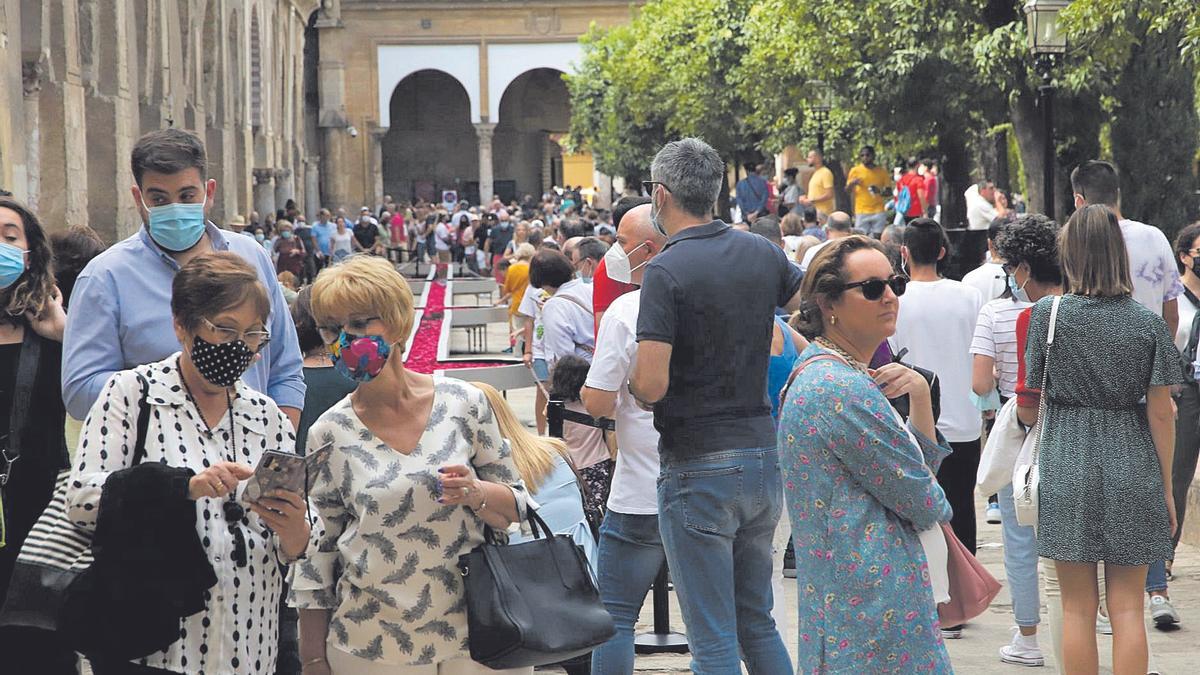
(903, 200)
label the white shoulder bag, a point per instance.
(1026, 478)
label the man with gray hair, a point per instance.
(704, 341)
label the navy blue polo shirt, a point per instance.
(711, 294)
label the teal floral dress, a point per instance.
(858, 492)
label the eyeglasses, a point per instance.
(648, 186)
(254, 339)
(331, 333)
(872, 289)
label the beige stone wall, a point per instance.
(80, 80)
(351, 32)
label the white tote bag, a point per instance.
(1027, 478)
(1002, 452)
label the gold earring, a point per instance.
(832, 319)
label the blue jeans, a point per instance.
(1020, 561)
(717, 516)
(631, 553)
(1156, 577)
(871, 223)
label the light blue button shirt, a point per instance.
(121, 317)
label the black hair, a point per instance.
(1098, 182)
(73, 249)
(567, 377)
(306, 325)
(591, 247)
(1032, 239)
(998, 223)
(925, 238)
(1185, 241)
(550, 268)
(168, 151)
(625, 205)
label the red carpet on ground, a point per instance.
(423, 357)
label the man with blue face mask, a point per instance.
(127, 289)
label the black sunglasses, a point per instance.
(648, 186)
(872, 289)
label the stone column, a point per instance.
(283, 187)
(264, 194)
(312, 187)
(548, 146)
(487, 186)
(376, 158)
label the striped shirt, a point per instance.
(996, 336)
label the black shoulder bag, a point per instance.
(533, 603)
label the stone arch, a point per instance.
(533, 111)
(507, 62)
(396, 62)
(430, 144)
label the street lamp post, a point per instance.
(1048, 44)
(821, 102)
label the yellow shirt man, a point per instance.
(866, 200)
(821, 184)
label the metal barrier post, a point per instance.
(661, 640)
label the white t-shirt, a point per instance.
(980, 212)
(1187, 312)
(568, 328)
(936, 325)
(996, 336)
(634, 481)
(441, 237)
(989, 279)
(1151, 265)
(810, 254)
(341, 242)
(531, 306)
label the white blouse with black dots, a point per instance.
(237, 631)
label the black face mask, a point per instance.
(1196, 265)
(221, 364)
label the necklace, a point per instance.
(837, 349)
(231, 509)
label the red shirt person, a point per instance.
(917, 202)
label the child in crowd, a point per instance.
(589, 452)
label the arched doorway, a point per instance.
(535, 107)
(430, 145)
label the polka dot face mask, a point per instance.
(221, 364)
(360, 358)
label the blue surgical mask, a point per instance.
(286, 234)
(654, 219)
(176, 227)
(1018, 291)
(12, 264)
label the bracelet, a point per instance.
(482, 504)
(313, 661)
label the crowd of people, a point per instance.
(800, 361)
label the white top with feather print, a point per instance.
(387, 560)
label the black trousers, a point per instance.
(957, 478)
(124, 668)
(29, 650)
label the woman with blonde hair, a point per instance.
(418, 468)
(546, 470)
(1107, 440)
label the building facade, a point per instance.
(417, 98)
(81, 80)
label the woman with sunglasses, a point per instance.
(213, 429)
(859, 482)
(418, 468)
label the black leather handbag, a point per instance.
(533, 603)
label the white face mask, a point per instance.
(616, 263)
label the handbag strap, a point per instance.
(27, 366)
(824, 356)
(143, 421)
(1037, 447)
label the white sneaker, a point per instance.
(1103, 625)
(1023, 650)
(993, 513)
(1162, 611)
(952, 633)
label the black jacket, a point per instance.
(150, 567)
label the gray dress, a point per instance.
(1101, 495)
